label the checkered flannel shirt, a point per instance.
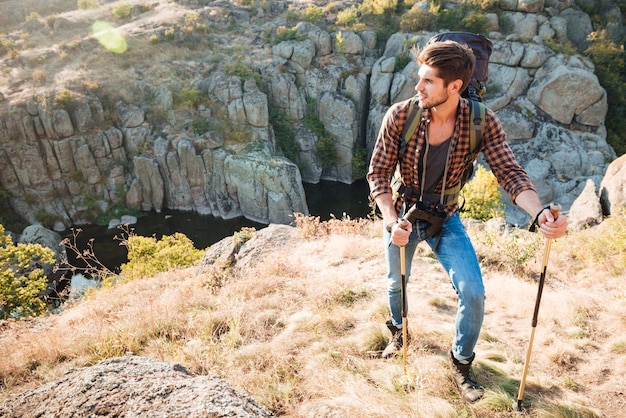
(498, 155)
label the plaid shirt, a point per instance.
(498, 155)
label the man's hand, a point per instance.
(400, 232)
(552, 224)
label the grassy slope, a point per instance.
(296, 320)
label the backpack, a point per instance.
(482, 49)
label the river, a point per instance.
(325, 199)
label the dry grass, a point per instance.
(296, 329)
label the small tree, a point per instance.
(482, 197)
(148, 256)
(22, 279)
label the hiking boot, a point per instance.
(395, 342)
(464, 378)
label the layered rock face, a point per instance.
(77, 158)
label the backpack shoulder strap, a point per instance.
(412, 122)
(413, 119)
(477, 123)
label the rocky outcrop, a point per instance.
(613, 187)
(586, 210)
(74, 159)
(134, 386)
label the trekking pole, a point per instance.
(404, 321)
(554, 208)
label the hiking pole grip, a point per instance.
(555, 208)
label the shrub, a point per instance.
(285, 136)
(359, 163)
(87, 4)
(22, 280)
(416, 20)
(286, 34)
(377, 7)
(325, 145)
(482, 196)
(242, 71)
(121, 11)
(199, 126)
(326, 152)
(148, 256)
(402, 60)
(64, 100)
(313, 14)
(188, 97)
(476, 22)
(348, 17)
(609, 60)
(39, 76)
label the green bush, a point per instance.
(121, 11)
(242, 71)
(348, 17)
(147, 256)
(188, 97)
(610, 66)
(402, 60)
(200, 126)
(22, 280)
(284, 134)
(64, 100)
(87, 4)
(313, 14)
(326, 152)
(359, 163)
(325, 145)
(482, 196)
(377, 7)
(285, 34)
(416, 20)
(476, 22)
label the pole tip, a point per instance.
(518, 406)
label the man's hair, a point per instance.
(452, 60)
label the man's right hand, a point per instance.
(400, 232)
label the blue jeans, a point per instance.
(456, 254)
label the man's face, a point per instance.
(430, 89)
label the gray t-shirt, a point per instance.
(436, 157)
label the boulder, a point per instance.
(134, 386)
(556, 91)
(613, 187)
(586, 210)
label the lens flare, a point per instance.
(108, 37)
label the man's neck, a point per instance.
(446, 111)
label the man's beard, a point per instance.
(439, 101)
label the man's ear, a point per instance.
(456, 86)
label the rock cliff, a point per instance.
(70, 152)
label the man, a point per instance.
(434, 161)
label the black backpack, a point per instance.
(482, 48)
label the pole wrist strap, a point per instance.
(533, 227)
